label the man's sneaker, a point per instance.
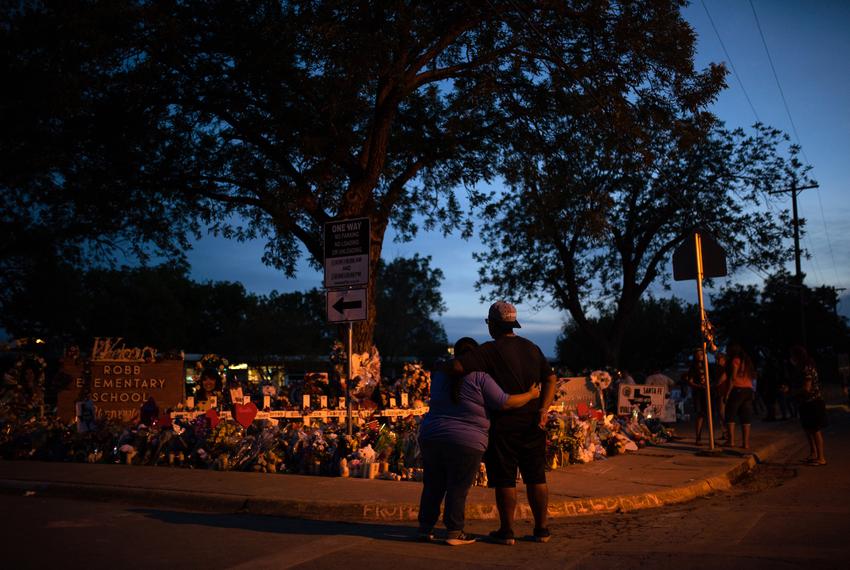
(542, 535)
(503, 537)
(458, 538)
(425, 536)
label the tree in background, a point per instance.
(161, 306)
(659, 334)
(408, 301)
(769, 317)
(609, 173)
(287, 324)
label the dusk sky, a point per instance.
(809, 44)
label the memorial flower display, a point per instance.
(366, 373)
(308, 441)
(416, 381)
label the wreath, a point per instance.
(25, 362)
(211, 361)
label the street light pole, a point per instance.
(798, 273)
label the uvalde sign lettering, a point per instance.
(118, 388)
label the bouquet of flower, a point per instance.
(601, 379)
(366, 372)
(416, 381)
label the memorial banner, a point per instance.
(648, 401)
(570, 392)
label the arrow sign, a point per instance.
(346, 306)
(342, 305)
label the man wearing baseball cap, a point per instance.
(518, 436)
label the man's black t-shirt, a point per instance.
(515, 364)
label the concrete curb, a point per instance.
(356, 511)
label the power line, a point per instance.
(729, 59)
(776, 77)
(797, 137)
(828, 241)
(755, 113)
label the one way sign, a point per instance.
(346, 306)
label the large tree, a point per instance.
(408, 302)
(661, 332)
(607, 176)
(769, 316)
(270, 118)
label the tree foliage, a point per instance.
(162, 307)
(607, 176)
(71, 146)
(660, 332)
(769, 316)
(267, 119)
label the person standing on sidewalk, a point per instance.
(696, 380)
(718, 402)
(739, 396)
(453, 437)
(812, 409)
(518, 436)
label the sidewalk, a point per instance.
(651, 477)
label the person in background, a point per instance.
(811, 406)
(718, 402)
(696, 380)
(453, 437)
(739, 395)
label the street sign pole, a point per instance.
(703, 330)
(348, 379)
(698, 259)
(347, 251)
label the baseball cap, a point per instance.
(503, 312)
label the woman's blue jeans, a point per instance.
(450, 470)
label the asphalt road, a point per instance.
(787, 515)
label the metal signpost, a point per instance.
(688, 263)
(346, 278)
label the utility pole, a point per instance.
(794, 190)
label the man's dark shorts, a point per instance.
(509, 450)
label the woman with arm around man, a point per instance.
(453, 438)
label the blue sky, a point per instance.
(809, 43)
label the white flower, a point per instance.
(600, 378)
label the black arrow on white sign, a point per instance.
(342, 305)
